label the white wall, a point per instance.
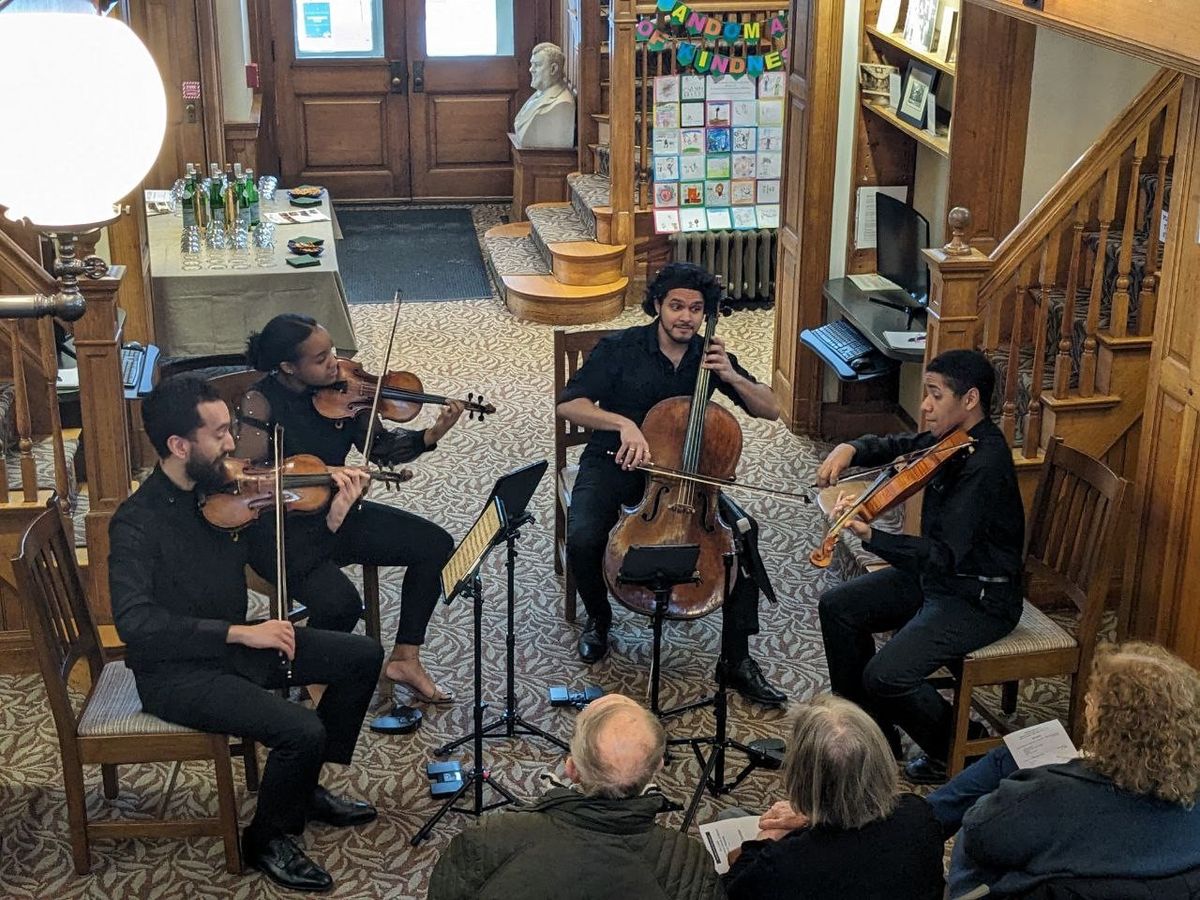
(844, 129)
(233, 39)
(1078, 88)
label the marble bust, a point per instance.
(548, 117)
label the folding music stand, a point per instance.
(460, 575)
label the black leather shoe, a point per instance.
(339, 811)
(748, 680)
(593, 643)
(925, 770)
(286, 865)
(401, 720)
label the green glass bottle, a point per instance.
(187, 201)
(201, 205)
(250, 198)
(216, 194)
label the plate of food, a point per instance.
(306, 246)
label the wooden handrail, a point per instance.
(23, 269)
(1057, 205)
(720, 6)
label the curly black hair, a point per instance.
(682, 275)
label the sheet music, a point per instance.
(471, 549)
(1041, 745)
(864, 209)
(723, 835)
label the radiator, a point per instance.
(745, 260)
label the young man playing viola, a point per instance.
(952, 589)
(178, 590)
(298, 356)
(625, 375)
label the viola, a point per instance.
(307, 487)
(690, 436)
(400, 396)
(895, 484)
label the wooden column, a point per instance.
(955, 273)
(622, 49)
(105, 429)
(539, 175)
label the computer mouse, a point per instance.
(860, 362)
(133, 345)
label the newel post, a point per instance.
(956, 271)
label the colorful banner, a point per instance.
(714, 28)
(709, 62)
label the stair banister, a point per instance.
(955, 272)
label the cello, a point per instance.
(691, 436)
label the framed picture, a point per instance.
(666, 115)
(666, 168)
(666, 221)
(745, 165)
(744, 218)
(745, 140)
(768, 192)
(770, 165)
(745, 112)
(919, 82)
(691, 193)
(666, 89)
(718, 166)
(691, 115)
(691, 87)
(873, 81)
(719, 220)
(693, 167)
(666, 141)
(666, 194)
(920, 22)
(768, 216)
(770, 112)
(741, 193)
(772, 85)
(720, 114)
(691, 140)
(719, 140)
(716, 193)
(770, 139)
(693, 219)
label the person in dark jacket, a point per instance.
(1124, 811)
(595, 839)
(843, 832)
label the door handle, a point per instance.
(398, 77)
(419, 77)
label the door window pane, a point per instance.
(468, 27)
(338, 28)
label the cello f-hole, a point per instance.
(652, 514)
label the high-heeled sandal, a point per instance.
(441, 699)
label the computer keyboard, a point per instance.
(846, 341)
(132, 361)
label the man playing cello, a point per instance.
(625, 375)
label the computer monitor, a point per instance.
(901, 233)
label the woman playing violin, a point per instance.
(952, 589)
(298, 356)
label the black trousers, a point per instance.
(601, 488)
(934, 629)
(235, 697)
(375, 534)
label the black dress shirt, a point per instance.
(972, 519)
(177, 583)
(627, 374)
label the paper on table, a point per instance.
(873, 282)
(1041, 745)
(864, 219)
(723, 835)
(905, 340)
(295, 217)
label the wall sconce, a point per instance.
(66, 163)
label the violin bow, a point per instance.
(281, 588)
(387, 359)
(911, 456)
(667, 472)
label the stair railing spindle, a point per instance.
(1048, 279)
(1148, 294)
(1066, 336)
(24, 422)
(1105, 213)
(1008, 413)
(1119, 317)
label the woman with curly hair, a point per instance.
(1124, 811)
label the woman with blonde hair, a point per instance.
(1120, 821)
(843, 832)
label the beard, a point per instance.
(209, 475)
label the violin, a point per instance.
(400, 396)
(693, 437)
(307, 487)
(895, 484)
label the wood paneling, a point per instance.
(463, 128)
(344, 132)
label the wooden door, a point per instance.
(341, 96)
(1168, 589)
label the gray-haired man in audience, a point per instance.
(593, 838)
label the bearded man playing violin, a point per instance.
(623, 378)
(178, 589)
(299, 358)
(952, 589)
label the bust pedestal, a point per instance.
(539, 175)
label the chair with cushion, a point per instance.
(571, 349)
(110, 729)
(1070, 549)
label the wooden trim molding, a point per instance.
(241, 138)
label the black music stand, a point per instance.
(659, 569)
(514, 489)
(461, 575)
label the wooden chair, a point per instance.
(111, 729)
(571, 349)
(1070, 549)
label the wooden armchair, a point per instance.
(1070, 549)
(111, 729)
(571, 349)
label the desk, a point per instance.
(211, 311)
(873, 319)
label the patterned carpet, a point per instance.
(455, 347)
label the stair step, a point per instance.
(43, 460)
(542, 298)
(511, 251)
(588, 263)
(592, 190)
(556, 222)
